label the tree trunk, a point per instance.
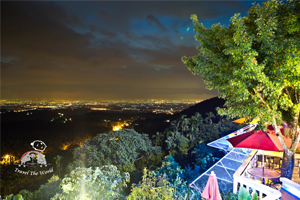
(287, 164)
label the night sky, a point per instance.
(99, 50)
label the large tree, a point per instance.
(105, 182)
(254, 63)
(120, 148)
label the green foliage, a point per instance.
(13, 197)
(151, 162)
(12, 182)
(206, 162)
(229, 196)
(99, 183)
(168, 165)
(159, 138)
(48, 190)
(254, 63)
(177, 143)
(171, 168)
(58, 163)
(255, 196)
(45, 192)
(226, 125)
(120, 148)
(243, 194)
(185, 133)
(168, 180)
(203, 156)
(190, 173)
(152, 188)
(27, 194)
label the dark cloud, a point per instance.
(120, 14)
(151, 19)
(94, 49)
(105, 14)
(92, 28)
(107, 33)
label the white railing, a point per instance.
(289, 183)
(241, 179)
(290, 187)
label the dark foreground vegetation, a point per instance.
(130, 164)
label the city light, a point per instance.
(65, 146)
(8, 159)
(116, 128)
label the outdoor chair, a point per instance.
(275, 183)
(276, 161)
(260, 159)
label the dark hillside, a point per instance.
(203, 107)
(159, 123)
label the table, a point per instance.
(268, 173)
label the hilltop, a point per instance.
(203, 107)
(160, 122)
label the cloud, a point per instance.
(92, 28)
(161, 67)
(151, 19)
(105, 14)
(118, 15)
(107, 33)
(8, 59)
(81, 51)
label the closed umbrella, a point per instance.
(211, 190)
(257, 140)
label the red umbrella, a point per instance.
(211, 190)
(257, 140)
(288, 140)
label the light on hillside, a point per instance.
(116, 128)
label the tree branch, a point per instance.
(138, 158)
(295, 125)
(279, 134)
(296, 96)
(297, 140)
(288, 93)
(262, 100)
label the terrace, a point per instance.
(232, 171)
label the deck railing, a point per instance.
(242, 179)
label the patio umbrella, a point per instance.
(243, 121)
(211, 190)
(240, 121)
(288, 140)
(257, 140)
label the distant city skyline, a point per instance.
(105, 50)
(4, 101)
